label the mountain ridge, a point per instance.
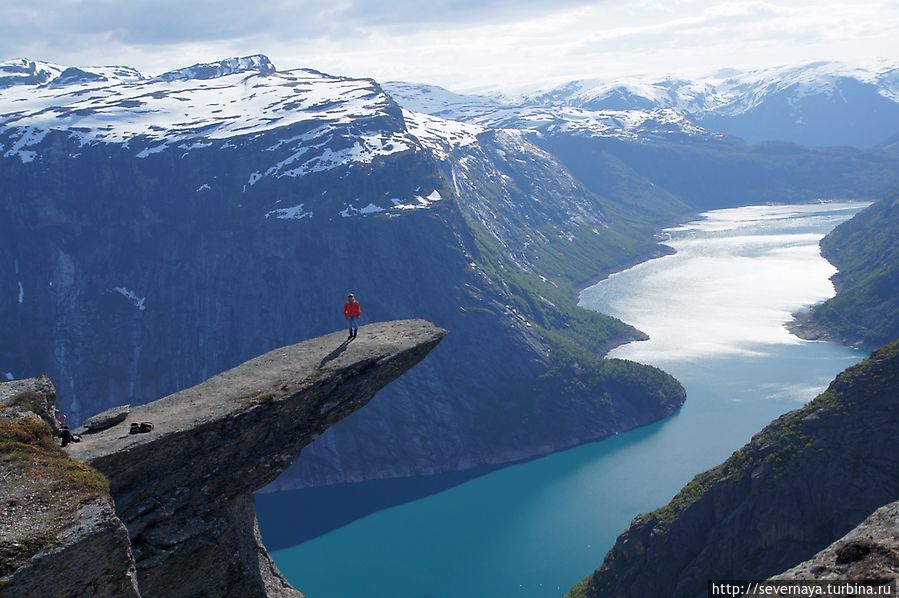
(806, 104)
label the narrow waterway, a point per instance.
(714, 311)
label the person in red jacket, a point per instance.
(351, 311)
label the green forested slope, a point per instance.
(865, 310)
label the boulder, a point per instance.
(107, 419)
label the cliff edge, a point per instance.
(184, 489)
(59, 533)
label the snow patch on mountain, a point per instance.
(350, 211)
(22, 71)
(437, 101)
(420, 201)
(26, 138)
(139, 302)
(293, 213)
(230, 66)
(526, 114)
(440, 135)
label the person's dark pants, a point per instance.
(353, 327)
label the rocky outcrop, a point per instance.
(59, 533)
(868, 552)
(801, 483)
(184, 489)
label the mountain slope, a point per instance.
(798, 485)
(865, 310)
(159, 230)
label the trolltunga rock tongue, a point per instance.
(184, 489)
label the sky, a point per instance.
(464, 45)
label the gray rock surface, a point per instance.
(91, 557)
(868, 552)
(29, 396)
(108, 418)
(184, 490)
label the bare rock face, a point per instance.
(868, 552)
(184, 489)
(107, 419)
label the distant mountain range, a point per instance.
(822, 104)
(818, 104)
(157, 230)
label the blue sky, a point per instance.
(460, 44)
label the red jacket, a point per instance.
(352, 310)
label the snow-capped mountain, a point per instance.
(207, 103)
(728, 92)
(36, 74)
(27, 72)
(822, 103)
(545, 116)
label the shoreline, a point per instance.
(799, 326)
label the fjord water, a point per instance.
(714, 311)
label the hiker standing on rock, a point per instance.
(351, 311)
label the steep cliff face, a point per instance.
(868, 552)
(183, 488)
(144, 250)
(802, 482)
(865, 310)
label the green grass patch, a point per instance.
(579, 590)
(15, 554)
(577, 337)
(28, 449)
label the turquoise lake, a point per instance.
(715, 312)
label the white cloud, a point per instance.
(455, 43)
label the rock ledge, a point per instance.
(184, 489)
